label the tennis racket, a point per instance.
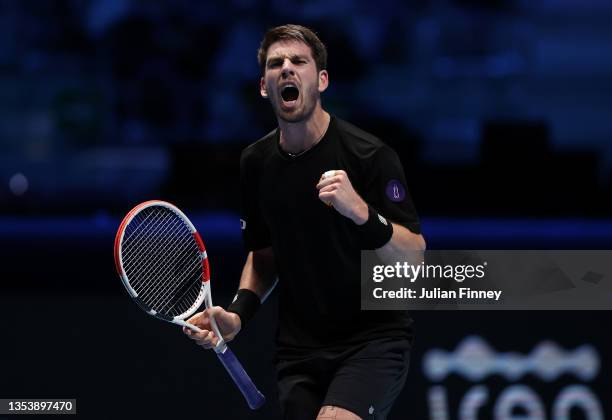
(162, 262)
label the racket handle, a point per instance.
(255, 399)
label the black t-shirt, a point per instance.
(316, 248)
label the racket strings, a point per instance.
(149, 273)
(183, 293)
(140, 235)
(141, 257)
(160, 295)
(178, 288)
(162, 261)
(135, 239)
(190, 296)
(162, 286)
(164, 234)
(144, 271)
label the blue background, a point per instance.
(500, 111)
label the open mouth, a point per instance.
(290, 93)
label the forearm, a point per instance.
(402, 242)
(257, 277)
(259, 272)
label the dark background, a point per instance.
(500, 111)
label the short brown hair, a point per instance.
(296, 33)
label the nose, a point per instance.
(287, 69)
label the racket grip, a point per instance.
(255, 399)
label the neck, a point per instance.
(299, 136)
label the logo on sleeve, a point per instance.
(395, 191)
(382, 220)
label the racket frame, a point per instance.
(204, 295)
(254, 398)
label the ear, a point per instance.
(262, 88)
(323, 80)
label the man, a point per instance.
(312, 191)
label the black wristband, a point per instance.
(245, 304)
(375, 232)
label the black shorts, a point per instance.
(365, 379)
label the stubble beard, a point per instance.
(300, 114)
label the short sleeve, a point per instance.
(255, 233)
(386, 190)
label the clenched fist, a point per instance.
(335, 189)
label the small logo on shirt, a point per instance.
(242, 224)
(382, 220)
(395, 191)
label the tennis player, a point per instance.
(315, 192)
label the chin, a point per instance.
(291, 118)
(294, 116)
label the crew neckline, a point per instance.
(308, 151)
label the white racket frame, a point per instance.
(205, 292)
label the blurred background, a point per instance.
(501, 111)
